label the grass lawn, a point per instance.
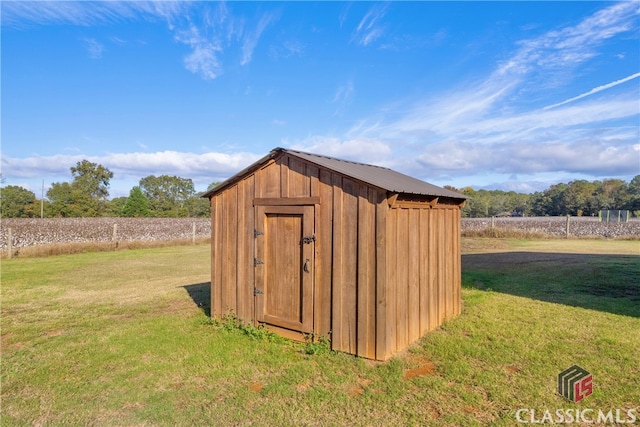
(123, 338)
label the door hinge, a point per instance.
(257, 262)
(257, 291)
(257, 233)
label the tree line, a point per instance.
(576, 198)
(87, 195)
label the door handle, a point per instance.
(306, 266)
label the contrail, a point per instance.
(594, 90)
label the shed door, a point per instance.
(284, 266)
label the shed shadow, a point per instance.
(608, 283)
(200, 293)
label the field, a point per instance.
(27, 232)
(52, 236)
(557, 226)
(123, 338)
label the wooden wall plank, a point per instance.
(449, 263)
(423, 274)
(440, 244)
(413, 282)
(223, 246)
(383, 349)
(458, 257)
(337, 322)
(246, 249)
(224, 236)
(299, 182)
(229, 296)
(365, 301)
(392, 279)
(283, 164)
(371, 266)
(402, 271)
(324, 248)
(313, 172)
(216, 256)
(250, 216)
(308, 275)
(271, 181)
(241, 268)
(349, 264)
(433, 265)
(260, 254)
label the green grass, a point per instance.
(123, 338)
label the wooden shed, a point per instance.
(304, 243)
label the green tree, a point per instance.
(167, 195)
(612, 194)
(578, 198)
(17, 202)
(137, 204)
(116, 205)
(86, 196)
(61, 200)
(633, 191)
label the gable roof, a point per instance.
(378, 176)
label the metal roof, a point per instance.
(378, 176)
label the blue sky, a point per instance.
(498, 95)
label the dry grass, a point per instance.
(84, 247)
(506, 233)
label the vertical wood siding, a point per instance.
(423, 275)
(382, 276)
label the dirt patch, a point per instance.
(356, 391)
(256, 387)
(427, 368)
(422, 366)
(511, 369)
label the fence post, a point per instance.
(9, 245)
(115, 233)
(567, 230)
(493, 220)
(193, 234)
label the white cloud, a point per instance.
(138, 164)
(581, 156)
(203, 60)
(361, 149)
(94, 48)
(208, 29)
(491, 126)
(594, 90)
(570, 46)
(251, 40)
(369, 29)
(343, 96)
(344, 92)
(21, 14)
